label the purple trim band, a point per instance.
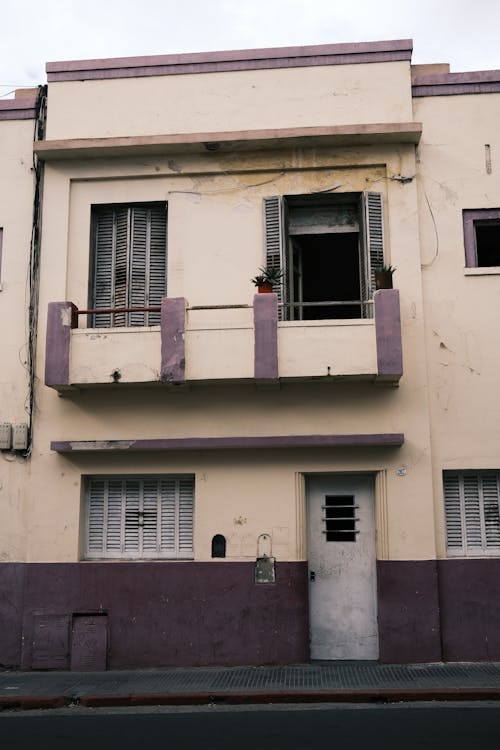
(173, 329)
(210, 62)
(448, 84)
(17, 109)
(61, 318)
(388, 334)
(265, 316)
(212, 443)
(469, 216)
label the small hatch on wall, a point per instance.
(219, 546)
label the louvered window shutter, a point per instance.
(130, 262)
(140, 518)
(186, 501)
(275, 250)
(373, 255)
(472, 512)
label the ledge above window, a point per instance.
(230, 141)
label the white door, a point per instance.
(342, 575)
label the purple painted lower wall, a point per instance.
(408, 611)
(11, 613)
(159, 614)
(470, 609)
(185, 613)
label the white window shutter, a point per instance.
(275, 250)
(157, 261)
(491, 497)
(186, 501)
(139, 264)
(150, 517)
(120, 279)
(453, 512)
(473, 531)
(130, 262)
(373, 256)
(104, 243)
(472, 512)
(96, 522)
(140, 518)
(131, 545)
(114, 518)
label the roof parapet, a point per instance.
(232, 60)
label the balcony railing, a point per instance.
(244, 343)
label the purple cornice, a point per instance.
(388, 334)
(17, 109)
(448, 84)
(60, 320)
(173, 331)
(265, 314)
(213, 443)
(251, 59)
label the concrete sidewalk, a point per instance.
(303, 683)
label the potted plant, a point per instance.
(383, 277)
(266, 279)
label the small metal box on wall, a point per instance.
(265, 564)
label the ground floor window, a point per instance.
(471, 500)
(139, 517)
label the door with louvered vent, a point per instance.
(342, 573)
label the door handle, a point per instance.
(312, 575)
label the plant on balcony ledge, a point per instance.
(266, 279)
(383, 277)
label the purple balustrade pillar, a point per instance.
(173, 348)
(265, 315)
(61, 318)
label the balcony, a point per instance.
(221, 344)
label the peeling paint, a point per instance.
(104, 445)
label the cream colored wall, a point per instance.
(16, 205)
(462, 306)
(225, 101)
(215, 246)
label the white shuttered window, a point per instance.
(139, 517)
(129, 262)
(472, 515)
(328, 247)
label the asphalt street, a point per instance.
(391, 727)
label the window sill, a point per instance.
(482, 271)
(327, 322)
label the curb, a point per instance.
(310, 696)
(102, 700)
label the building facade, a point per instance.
(214, 476)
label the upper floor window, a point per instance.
(482, 237)
(129, 263)
(139, 517)
(328, 247)
(471, 503)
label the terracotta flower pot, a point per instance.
(265, 288)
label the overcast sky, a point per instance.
(464, 33)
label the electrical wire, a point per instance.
(34, 263)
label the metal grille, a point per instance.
(339, 518)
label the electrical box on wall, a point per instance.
(5, 436)
(20, 437)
